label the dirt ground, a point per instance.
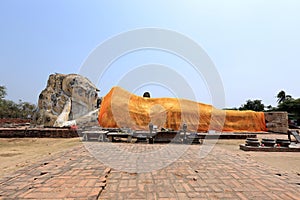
(16, 153)
(288, 162)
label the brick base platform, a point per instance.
(38, 132)
(270, 149)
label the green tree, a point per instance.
(234, 108)
(270, 108)
(282, 97)
(10, 109)
(2, 92)
(255, 105)
(26, 109)
(291, 106)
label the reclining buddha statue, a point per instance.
(120, 108)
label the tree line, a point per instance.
(10, 109)
(285, 103)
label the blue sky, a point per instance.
(254, 44)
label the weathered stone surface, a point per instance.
(64, 115)
(277, 121)
(65, 98)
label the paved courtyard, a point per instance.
(156, 171)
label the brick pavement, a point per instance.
(75, 174)
(220, 175)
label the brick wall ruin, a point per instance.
(277, 122)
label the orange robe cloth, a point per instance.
(120, 108)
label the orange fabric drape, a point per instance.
(120, 108)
